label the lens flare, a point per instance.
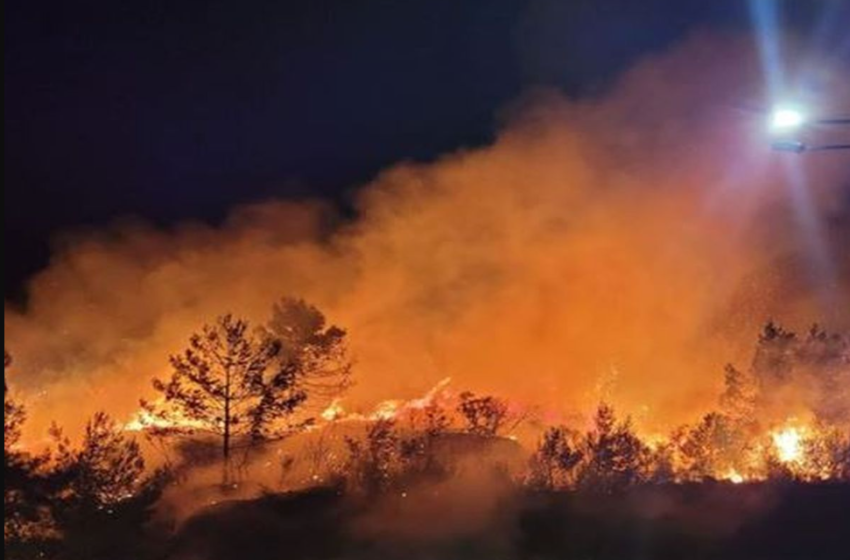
(787, 119)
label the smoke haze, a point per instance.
(622, 247)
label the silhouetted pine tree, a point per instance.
(309, 346)
(232, 383)
(554, 464)
(106, 510)
(615, 457)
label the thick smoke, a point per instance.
(622, 247)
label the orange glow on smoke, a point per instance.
(622, 248)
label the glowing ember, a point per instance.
(734, 477)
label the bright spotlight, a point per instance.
(786, 118)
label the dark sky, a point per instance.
(172, 110)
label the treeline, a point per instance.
(94, 500)
(246, 387)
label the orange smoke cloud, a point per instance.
(622, 247)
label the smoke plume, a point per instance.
(621, 247)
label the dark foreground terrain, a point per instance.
(708, 521)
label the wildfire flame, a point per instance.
(793, 444)
(789, 444)
(388, 409)
(734, 477)
(144, 420)
(391, 409)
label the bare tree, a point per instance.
(484, 416)
(320, 458)
(374, 462)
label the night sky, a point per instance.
(180, 110)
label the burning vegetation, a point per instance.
(535, 332)
(247, 390)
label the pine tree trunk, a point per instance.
(227, 426)
(226, 446)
